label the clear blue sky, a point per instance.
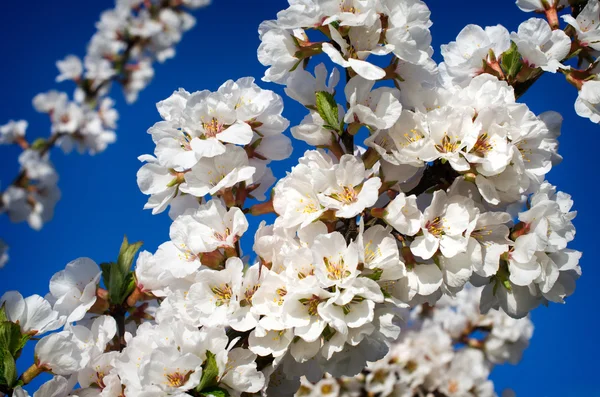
(101, 200)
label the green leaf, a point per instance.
(511, 61)
(210, 372)
(8, 368)
(10, 337)
(126, 255)
(214, 392)
(128, 286)
(3, 313)
(118, 278)
(328, 110)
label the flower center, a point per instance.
(222, 236)
(212, 128)
(281, 293)
(248, 294)
(336, 270)
(447, 145)
(482, 145)
(370, 253)
(177, 379)
(435, 226)
(223, 293)
(411, 138)
(348, 195)
(311, 303)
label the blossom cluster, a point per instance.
(446, 350)
(212, 142)
(366, 274)
(129, 39)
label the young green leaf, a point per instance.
(511, 61)
(328, 110)
(210, 372)
(3, 313)
(126, 255)
(10, 337)
(8, 368)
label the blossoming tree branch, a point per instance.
(129, 39)
(409, 247)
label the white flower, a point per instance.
(444, 224)
(217, 294)
(312, 129)
(169, 371)
(159, 182)
(380, 253)
(491, 151)
(60, 354)
(379, 108)
(403, 214)
(296, 197)
(465, 58)
(335, 261)
(348, 192)
(407, 142)
(302, 86)
(301, 311)
(491, 232)
(451, 129)
(73, 290)
(241, 374)
(523, 264)
(364, 41)
(58, 386)
(587, 25)
(70, 68)
(48, 101)
(549, 217)
(540, 46)
(408, 29)
(211, 175)
(210, 227)
(277, 50)
(265, 342)
(349, 12)
(540, 5)
(33, 314)
(587, 103)
(12, 131)
(260, 109)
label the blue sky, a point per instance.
(101, 200)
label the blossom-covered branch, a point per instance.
(425, 182)
(445, 350)
(129, 39)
